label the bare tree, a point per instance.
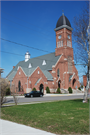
(80, 37)
(14, 93)
(4, 84)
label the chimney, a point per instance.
(13, 67)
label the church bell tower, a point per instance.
(63, 37)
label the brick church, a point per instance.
(53, 70)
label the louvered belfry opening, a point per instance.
(70, 64)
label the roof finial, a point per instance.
(62, 12)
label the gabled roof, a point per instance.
(28, 71)
(11, 76)
(48, 75)
(50, 60)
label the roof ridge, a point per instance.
(40, 56)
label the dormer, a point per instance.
(29, 65)
(44, 62)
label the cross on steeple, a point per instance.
(62, 12)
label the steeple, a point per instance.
(63, 35)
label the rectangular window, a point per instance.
(68, 43)
(69, 64)
(59, 44)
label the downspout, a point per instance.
(27, 82)
(10, 86)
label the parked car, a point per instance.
(34, 94)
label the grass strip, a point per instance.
(59, 117)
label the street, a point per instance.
(45, 98)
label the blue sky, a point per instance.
(32, 24)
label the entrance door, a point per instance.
(59, 83)
(74, 83)
(41, 88)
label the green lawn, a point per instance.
(61, 117)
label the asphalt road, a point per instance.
(44, 98)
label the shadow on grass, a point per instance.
(7, 106)
(78, 100)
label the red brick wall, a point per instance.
(35, 76)
(84, 80)
(66, 51)
(22, 77)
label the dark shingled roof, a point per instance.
(50, 60)
(63, 21)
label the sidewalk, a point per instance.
(12, 128)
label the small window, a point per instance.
(44, 62)
(19, 73)
(38, 72)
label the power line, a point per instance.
(11, 53)
(24, 45)
(24, 55)
(39, 58)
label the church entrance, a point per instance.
(19, 86)
(41, 88)
(73, 83)
(59, 83)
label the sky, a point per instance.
(32, 23)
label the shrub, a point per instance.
(58, 90)
(4, 84)
(70, 90)
(79, 88)
(34, 89)
(8, 91)
(47, 90)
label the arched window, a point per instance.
(19, 85)
(58, 74)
